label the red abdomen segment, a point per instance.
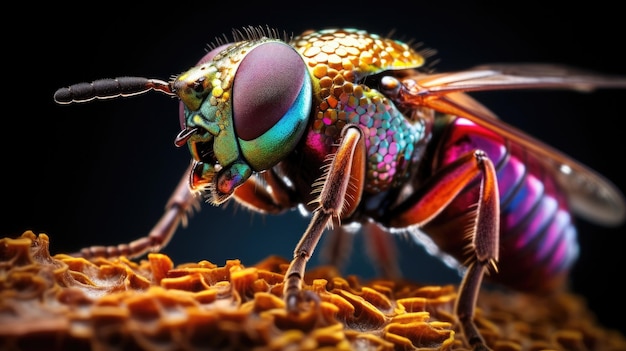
(538, 242)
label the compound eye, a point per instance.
(265, 87)
(211, 54)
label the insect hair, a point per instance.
(249, 33)
(426, 52)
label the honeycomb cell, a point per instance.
(58, 302)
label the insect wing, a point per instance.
(592, 196)
(517, 76)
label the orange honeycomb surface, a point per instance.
(65, 303)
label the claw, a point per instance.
(295, 300)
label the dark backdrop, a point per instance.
(101, 173)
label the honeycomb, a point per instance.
(65, 303)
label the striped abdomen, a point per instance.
(538, 242)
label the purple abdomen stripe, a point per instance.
(538, 243)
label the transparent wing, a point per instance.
(592, 196)
(518, 76)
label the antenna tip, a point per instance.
(63, 96)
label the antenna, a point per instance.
(110, 89)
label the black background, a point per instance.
(100, 173)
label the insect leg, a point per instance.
(337, 246)
(342, 185)
(382, 250)
(265, 193)
(430, 199)
(485, 243)
(181, 202)
(379, 246)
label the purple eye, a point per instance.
(211, 54)
(266, 85)
(262, 111)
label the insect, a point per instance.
(349, 126)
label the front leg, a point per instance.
(180, 204)
(426, 203)
(341, 190)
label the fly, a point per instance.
(350, 126)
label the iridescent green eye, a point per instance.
(246, 107)
(271, 103)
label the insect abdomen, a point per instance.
(538, 242)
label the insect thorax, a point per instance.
(337, 61)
